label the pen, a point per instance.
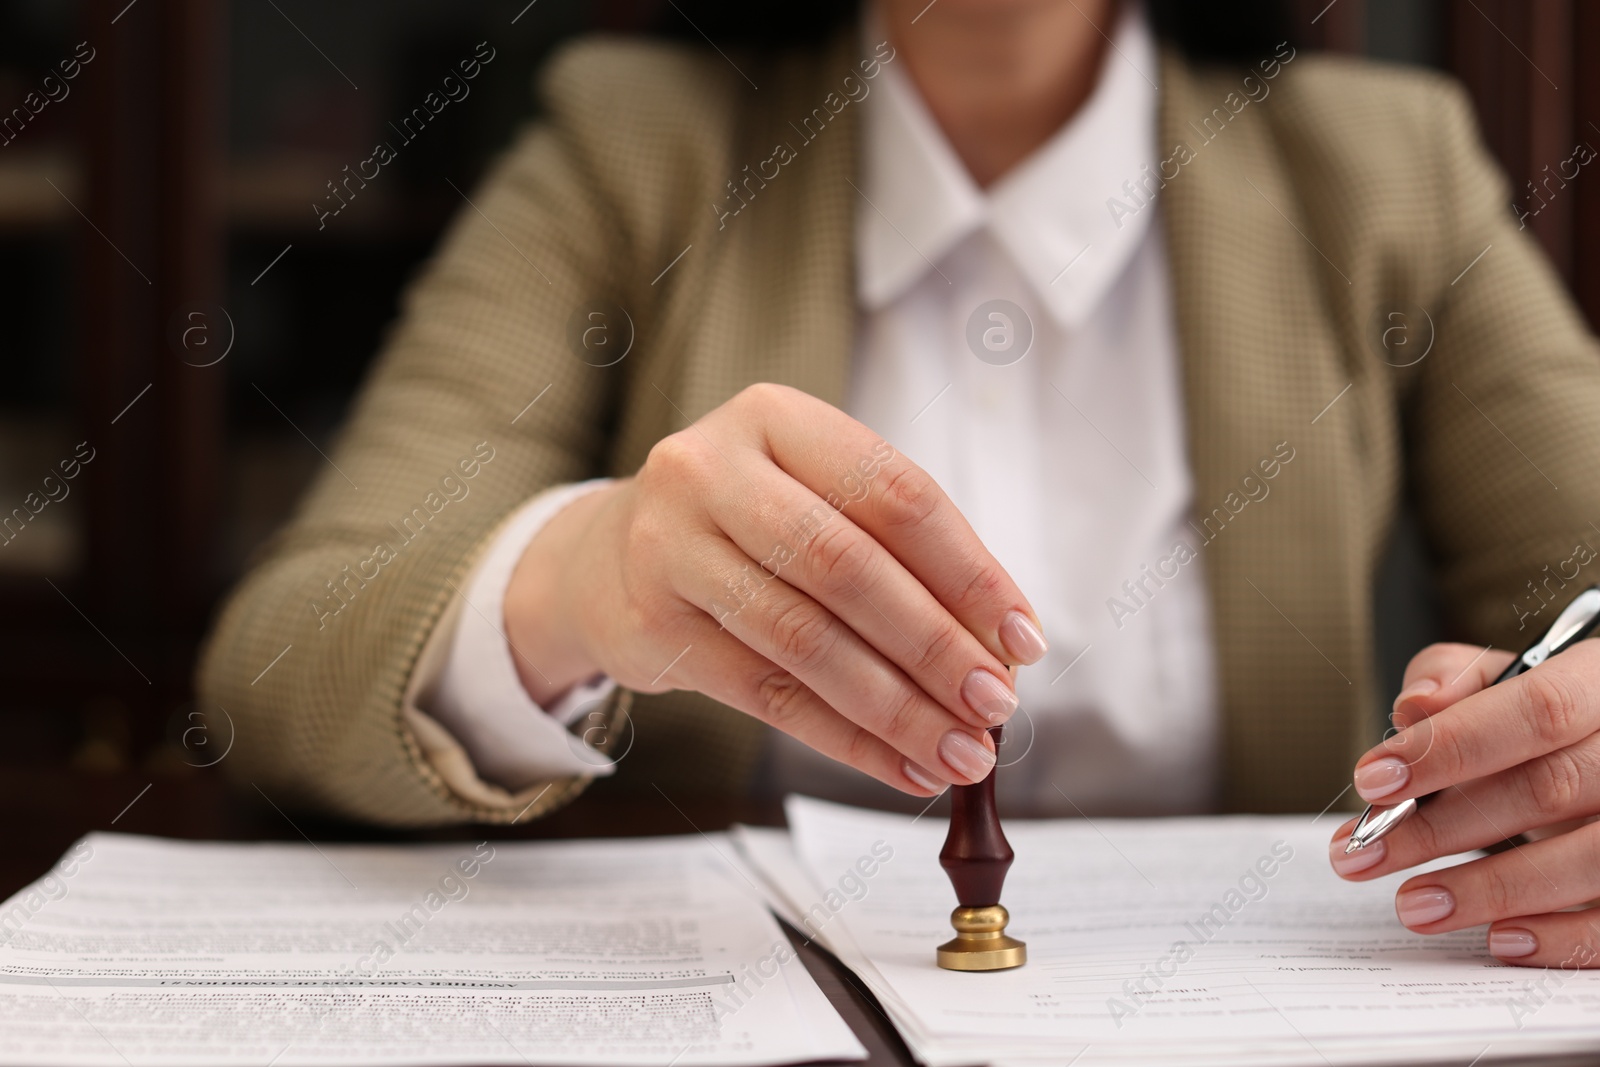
(1571, 626)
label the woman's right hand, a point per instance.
(780, 557)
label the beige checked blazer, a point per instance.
(1350, 192)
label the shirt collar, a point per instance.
(1052, 213)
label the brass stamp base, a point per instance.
(981, 943)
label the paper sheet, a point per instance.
(1183, 940)
(138, 951)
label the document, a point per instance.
(1208, 940)
(136, 951)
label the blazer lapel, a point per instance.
(777, 299)
(1264, 380)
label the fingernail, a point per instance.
(1510, 944)
(922, 777)
(1355, 862)
(1381, 777)
(1419, 688)
(1022, 638)
(968, 758)
(988, 696)
(1419, 907)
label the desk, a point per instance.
(45, 811)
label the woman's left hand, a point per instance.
(1519, 757)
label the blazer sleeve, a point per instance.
(477, 402)
(1503, 425)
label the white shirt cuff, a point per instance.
(477, 695)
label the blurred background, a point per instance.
(183, 326)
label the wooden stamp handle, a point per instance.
(976, 854)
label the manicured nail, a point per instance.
(1381, 777)
(922, 777)
(988, 696)
(968, 758)
(1355, 862)
(1512, 943)
(1419, 907)
(1022, 638)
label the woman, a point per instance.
(979, 336)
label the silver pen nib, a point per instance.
(1376, 822)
